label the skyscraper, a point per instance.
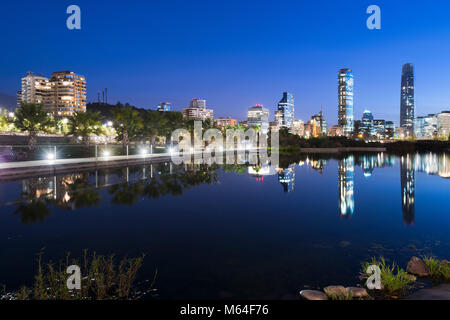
(367, 123)
(407, 99)
(286, 111)
(345, 97)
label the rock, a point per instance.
(357, 292)
(417, 267)
(313, 295)
(335, 291)
(344, 244)
(445, 262)
(412, 247)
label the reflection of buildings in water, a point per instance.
(317, 165)
(346, 186)
(407, 180)
(260, 171)
(54, 188)
(286, 177)
(368, 164)
(432, 163)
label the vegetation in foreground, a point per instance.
(395, 281)
(102, 278)
(439, 270)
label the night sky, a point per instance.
(235, 53)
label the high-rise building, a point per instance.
(63, 94)
(68, 93)
(345, 98)
(389, 130)
(407, 99)
(443, 124)
(367, 123)
(197, 111)
(286, 110)
(258, 116)
(35, 89)
(163, 107)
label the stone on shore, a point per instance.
(357, 292)
(313, 295)
(335, 291)
(445, 261)
(417, 267)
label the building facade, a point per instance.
(258, 116)
(68, 93)
(35, 89)
(443, 124)
(367, 123)
(286, 111)
(163, 107)
(298, 128)
(197, 111)
(345, 98)
(224, 122)
(407, 99)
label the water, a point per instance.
(234, 231)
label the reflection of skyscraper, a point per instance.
(407, 99)
(287, 178)
(346, 186)
(407, 180)
(368, 165)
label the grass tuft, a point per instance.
(394, 280)
(438, 271)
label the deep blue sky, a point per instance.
(235, 53)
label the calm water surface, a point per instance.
(234, 231)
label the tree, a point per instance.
(84, 124)
(153, 125)
(128, 124)
(31, 117)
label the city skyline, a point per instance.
(242, 67)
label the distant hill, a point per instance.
(7, 101)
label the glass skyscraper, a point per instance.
(286, 111)
(345, 96)
(407, 99)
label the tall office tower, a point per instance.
(345, 97)
(258, 116)
(346, 186)
(407, 181)
(286, 111)
(68, 93)
(407, 99)
(35, 89)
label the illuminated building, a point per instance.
(35, 89)
(285, 111)
(407, 99)
(197, 111)
(68, 93)
(345, 98)
(389, 130)
(258, 116)
(336, 131)
(346, 186)
(163, 107)
(443, 124)
(367, 123)
(298, 128)
(379, 128)
(426, 126)
(224, 122)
